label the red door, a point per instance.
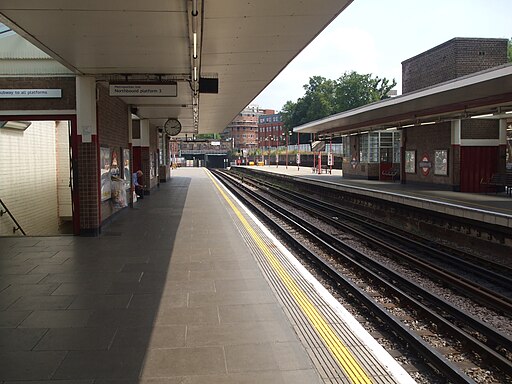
(476, 163)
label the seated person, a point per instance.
(139, 188)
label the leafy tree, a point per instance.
(354, 90)
(208, 136)
(509, 50)
(324, 97)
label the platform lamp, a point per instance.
(298, 151)
(288, 134)
(270, 139)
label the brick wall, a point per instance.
(480, 129)
(427, 139)
(28, 179)
(431, 67)
(112, 133)
(112, 120)
(452, 59)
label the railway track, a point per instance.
(467, 332)
(487, 283)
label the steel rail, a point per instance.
(444, 366)
(486, 297)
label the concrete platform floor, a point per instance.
(165, 295)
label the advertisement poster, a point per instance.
(127, 174)
(441, 163)
(410, 161)
(105, 161)
(114, 165)
(151, 165)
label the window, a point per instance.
(363, 150)
(378, 147)
(396, 147)
(373, 147)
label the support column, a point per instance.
(140, 145)
(454, 157)
(88, 180)
(502, 150)
(403, 148)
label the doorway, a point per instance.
(38, 175)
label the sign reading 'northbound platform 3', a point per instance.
(144, 90)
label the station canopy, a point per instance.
(220, 54)
(486, 94)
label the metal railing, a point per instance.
(4, 210)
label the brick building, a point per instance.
(468, 145)
(270, 129)
(67, 148)
(452, 59)
(243, 130)
(456, 150)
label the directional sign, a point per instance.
(144, 90)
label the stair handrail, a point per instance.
(14, 229)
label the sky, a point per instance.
(375, 36)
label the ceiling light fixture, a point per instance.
(482, 116)
(21, 125)
(195, 44)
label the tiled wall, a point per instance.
(28, 178)
(63, 170)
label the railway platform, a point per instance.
(187, 286)
(491, 208)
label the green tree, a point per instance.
(355, 90)
(324, 97)
(208, 136)
(509, 50)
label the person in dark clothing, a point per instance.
(137, 180)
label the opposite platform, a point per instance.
(171, 292)
(491, 208)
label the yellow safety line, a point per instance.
(322, 327)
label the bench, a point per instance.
(324, 169)
(392, 172)
(498, 181)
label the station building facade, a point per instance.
(456, 153)
(68, 149)
(243, 129)
(270, 130)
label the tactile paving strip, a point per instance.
(326, 364)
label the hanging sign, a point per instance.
(298, 158)
(329, 159)
(144, 90)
